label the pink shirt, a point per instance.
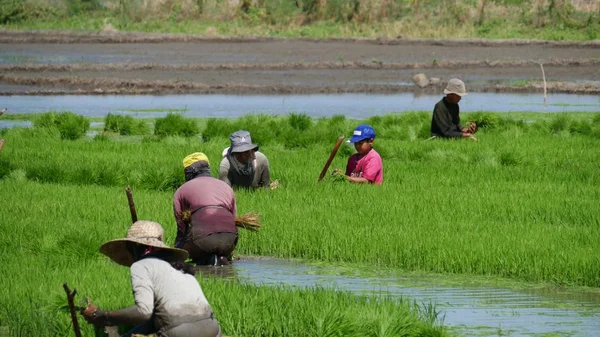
(368, 166)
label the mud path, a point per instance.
(133, 63)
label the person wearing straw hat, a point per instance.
(243, 165)
(169, 302)
(445, 122)
(205, 211)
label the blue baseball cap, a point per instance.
(361, 132)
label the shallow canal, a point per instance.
(470, 306)
(350, 105)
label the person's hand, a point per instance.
(92, 314)
(472, 127)
(274, 184)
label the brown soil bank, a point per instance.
(279, 66)
(260, 51)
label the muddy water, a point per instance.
(468, 307)
(351, 105)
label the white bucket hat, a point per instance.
(455, 86)
(144, 232)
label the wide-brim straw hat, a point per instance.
(456, 86)
(144, 232)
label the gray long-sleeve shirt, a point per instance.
(166, 293)
(446, 121)
(261, 177)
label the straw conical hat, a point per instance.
(144, 232)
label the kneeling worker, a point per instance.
(205, 210)
(243, 165)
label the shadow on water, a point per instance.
(350, 105)
(472, 308)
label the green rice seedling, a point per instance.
(217, 127)
(300, 122)
(58, 242)
(580, 127)
(69, 125)
(519, 197)
(126, 125)
(484, 120)
(559, 123)
(509, 158)
(175, 125)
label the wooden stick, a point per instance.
(331, 156)
(1, 144)
(545, 86)
(70, 300)
(134, 217)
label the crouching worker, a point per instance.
(205, 210)
(169, 302)
(243, 165)
(445, 121)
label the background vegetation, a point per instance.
(543, 19)
(520, 203)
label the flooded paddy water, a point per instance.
(351, 105)
(468, 306)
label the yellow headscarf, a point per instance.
(194, 157)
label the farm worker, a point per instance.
(365, 166)
(242, 164)
(205, 210)
(446, 121)
(168, 299)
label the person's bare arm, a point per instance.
(357, 180)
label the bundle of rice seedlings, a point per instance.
(249, 221)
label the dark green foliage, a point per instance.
(559, 123)
(509, 158)
(580, 127)
(75, 7)
(300, 122)
(126, 125)
(298, 139)
(15, 11)
(5, 167)
(484, 120)
(176, 125)
(162, 179)
(217, 127)
(69, 125)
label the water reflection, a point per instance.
(350, 105)
(469, 308)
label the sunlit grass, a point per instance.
(520, 203)
(55, 238)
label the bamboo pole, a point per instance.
(331, 156)
(132, 210)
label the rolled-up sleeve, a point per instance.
(143, 290)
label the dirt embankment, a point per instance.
(134, 63)
(67, 37)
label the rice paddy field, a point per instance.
(519, 204)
